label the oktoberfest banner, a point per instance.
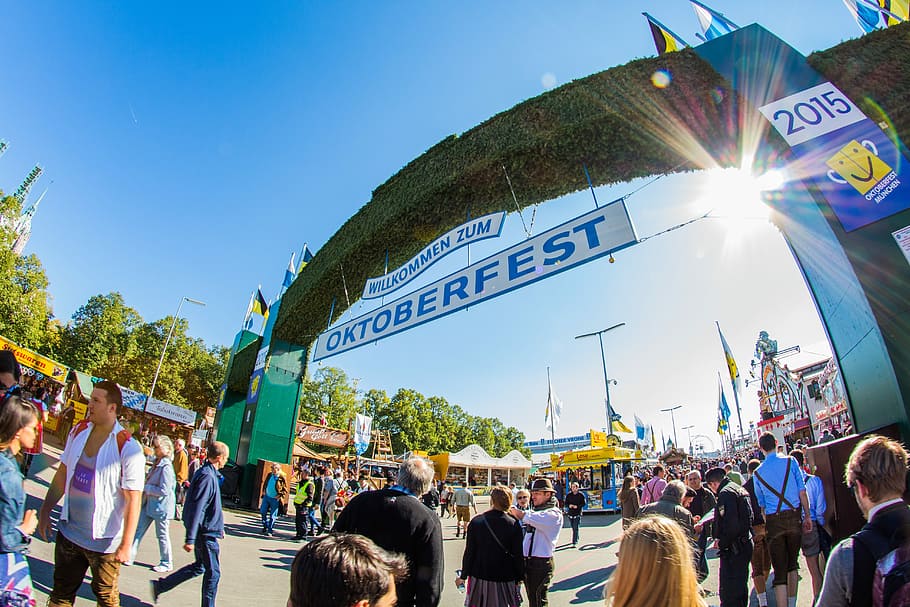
(580, 240)
(481, 228)
(33, 360)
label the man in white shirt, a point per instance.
(101, 477)
(542, 524)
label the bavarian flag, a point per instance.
(260, 305)
(664, 39)
(721, 425)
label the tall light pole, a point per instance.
(603, 359)
(689, 430)
(673, 419)
(167, 342)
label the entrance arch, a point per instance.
(619, 126)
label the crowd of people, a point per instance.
(385, 546)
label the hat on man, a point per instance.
(542, 484)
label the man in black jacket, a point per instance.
(732, 524)
(396, 520)
(703, 503)
(204, 523)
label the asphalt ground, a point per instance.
(255, 569)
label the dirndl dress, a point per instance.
(15, 581)
(486, 593)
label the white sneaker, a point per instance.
(162, 568)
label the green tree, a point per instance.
(331, 393)
(24, 310)
(101, 331)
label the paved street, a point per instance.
(255, 569)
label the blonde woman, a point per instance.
(655, 567)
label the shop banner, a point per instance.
(481, 228)
(580, 240)
(171, 412)
(33, 360)
(322, 435)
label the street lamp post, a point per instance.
(688, 429)
(167, 342)
(673, 419)
(603, 359)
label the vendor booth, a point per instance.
(599, 472)
(480, 469)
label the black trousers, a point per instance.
(538, 573)
(734, 576)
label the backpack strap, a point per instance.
(869, 545)
(123, 437)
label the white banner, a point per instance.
(481, 228)
(171, 412)
(362, 430)
(573, 243)
(261, 357)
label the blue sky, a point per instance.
(190, 148)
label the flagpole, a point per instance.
(882, 9)
(550, 406)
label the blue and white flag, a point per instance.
(289, 273)
(713, 24)
(132, 399)
(639, 430)
(867, 17)
(362, 432)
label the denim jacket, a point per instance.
(12, 504)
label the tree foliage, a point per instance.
(414, 421)
(106, 338)
(24, 311)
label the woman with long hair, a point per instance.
(628, 500)
(159, 503)
(655, 567)
(492, 563)
(18, 423)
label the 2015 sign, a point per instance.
(811, 113)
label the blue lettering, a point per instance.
(481, 276)
(484, 227)
(514, 262)
(374, 286)
(552, 246)
(348, 335)
(412, 267)
(388, 318)
(403, 312)
(329, 346)
(590, 231)
(426, 256)
(363, 327)
(454, 287)
(445, 243)
(460, 234)
(425, 301)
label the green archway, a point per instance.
(617, 123)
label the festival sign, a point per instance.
(171, 412)
(322, 435)
(481, 228)
(252, 394)
(852, 161)
(580, 240)
(33, 360)
(362, 434)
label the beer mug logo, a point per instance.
(858, 164)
